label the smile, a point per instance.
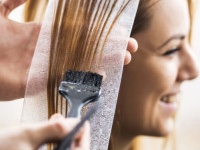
(169, 99)
(169, 104)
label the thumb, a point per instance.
(11, 4)
(50, 131)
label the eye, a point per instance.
(172, 51)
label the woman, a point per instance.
(158, 69)
(164, 60)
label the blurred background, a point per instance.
(188, 121)
(188, 129)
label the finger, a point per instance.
(82, 138)
(85, 139)
(114, 58)
(131, 48)
(132, 45)
(11, 4)
(79, 138)
(127, 58)
(54, 130)
(55, 117)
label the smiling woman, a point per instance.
(151, 84)
(148, 99)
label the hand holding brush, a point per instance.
(65, 144)
(79, 88)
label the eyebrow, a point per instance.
(174, 37)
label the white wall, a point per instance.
(189, 119)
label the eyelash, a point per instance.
(172, 51)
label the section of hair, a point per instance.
(79, 34)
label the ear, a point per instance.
(11, 4)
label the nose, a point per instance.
(189, 67)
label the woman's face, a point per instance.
(151, 83)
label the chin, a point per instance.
(161, 129)
(164, 128)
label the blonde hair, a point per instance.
(76, 41)
(34, 10)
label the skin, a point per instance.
(156, 73)
(17, 44)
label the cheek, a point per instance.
(153, 75)
(143, 84)
(162, 76)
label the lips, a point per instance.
(169, 104)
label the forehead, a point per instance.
(170, 11)
(169, 17)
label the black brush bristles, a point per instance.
(74, 76)
(86, 78)
(79, 89)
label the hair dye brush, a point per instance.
(80, 88)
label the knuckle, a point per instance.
(58, 127)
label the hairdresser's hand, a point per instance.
(131, 48)
(17, 44)
(30, 137)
